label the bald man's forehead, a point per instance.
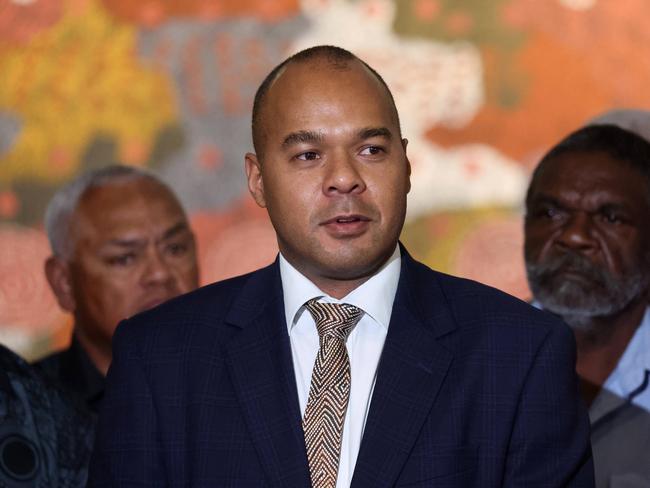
(294, 78)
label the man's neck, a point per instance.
(99, 355)
(337, 286)
(600, 344)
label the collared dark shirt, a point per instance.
(75, 372)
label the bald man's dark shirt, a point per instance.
(73, 370)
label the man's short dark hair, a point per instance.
(620, 144)
(336, 57)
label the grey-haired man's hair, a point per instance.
(60, 211)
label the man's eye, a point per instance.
(551, 213)
(177, 248)
(121, 260)
(612, 218)
(546, 213)
(371, 151)
(307, 156)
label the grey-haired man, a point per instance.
(121, 244)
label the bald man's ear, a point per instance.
(254, 177)
(405, 142)
(57, 273)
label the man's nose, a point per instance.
(577, 233)
(156, 270)
(342, 176)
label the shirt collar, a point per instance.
(630, 370)
(375, 296)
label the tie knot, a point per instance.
(334, 319)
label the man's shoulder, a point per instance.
(50, 365)
(206, 307)
(13, 364)
(474, 304)
(211, 299)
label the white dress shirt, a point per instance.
(365, 343)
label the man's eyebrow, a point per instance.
(370, 132)
(301, 137)
(139, 242)
(543, 198)
(175, 229)
(612, 207)
(126, 243)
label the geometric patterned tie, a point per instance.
(329, 391)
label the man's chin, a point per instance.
(579, 306)
(151, 303)
(353, 268)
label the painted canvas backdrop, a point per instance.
(483, 88)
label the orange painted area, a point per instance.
(210, 157)
(233, 242)
(9, 204)
(20, 22)
(426, 10)
(153, 12)
(492, 253)
(26, 300)
(135, 151)
(612, 37)
(62, 334)
(559, 92)
(459, 23)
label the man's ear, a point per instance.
(58, 276)
(254, 177)
(405, 142)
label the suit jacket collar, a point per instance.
(261, 368)
(412, 368)
(411, 371)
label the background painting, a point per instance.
(483, 87)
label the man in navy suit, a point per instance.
(453, 384)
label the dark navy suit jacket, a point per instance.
(474, 388)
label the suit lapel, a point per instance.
(411, 371)
(261, 369)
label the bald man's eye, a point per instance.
(372, 151)
(307, 156)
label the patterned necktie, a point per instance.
(330, 390)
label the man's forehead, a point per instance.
(593, 177)
(316, 64)
(581, 168)
(126, 205)
(312, 75)
(306, 85)
(123, 193)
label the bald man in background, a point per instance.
(345, 362)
